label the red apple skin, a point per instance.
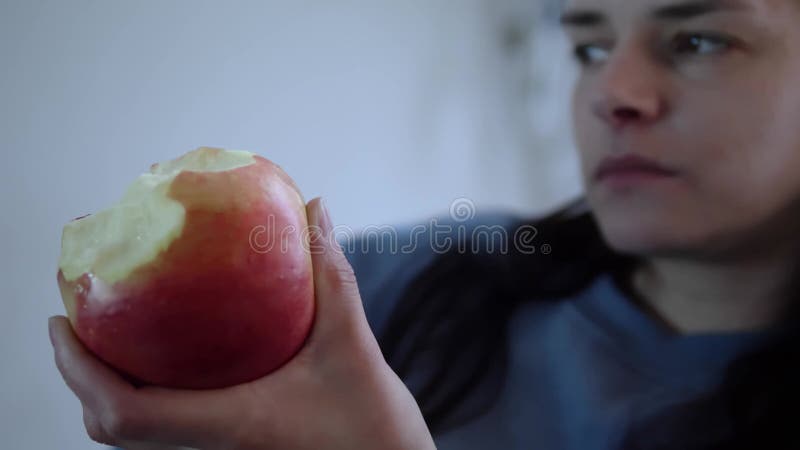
(210, 311)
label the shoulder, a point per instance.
(386, 258)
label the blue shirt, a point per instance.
(581, 368)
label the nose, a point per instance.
(630, 91)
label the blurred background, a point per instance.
(391, 110)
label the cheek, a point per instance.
(586, 129)
(743, 168)
(744, 157)
(755, 182)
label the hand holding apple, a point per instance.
(336, 393)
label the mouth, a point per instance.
(628, 178)
(629, 170)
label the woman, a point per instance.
(662, 318)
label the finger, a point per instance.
(94, 429)
(338, 302)
(95, 384)
(192, 418)
(115, 411)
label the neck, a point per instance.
(700, 297)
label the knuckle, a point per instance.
(95, 430)
(98, 435)
(341, 276)
(118, 424)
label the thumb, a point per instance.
(338, 302)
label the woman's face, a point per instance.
(709, 89)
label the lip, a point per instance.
(631, 168)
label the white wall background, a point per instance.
(390, 109)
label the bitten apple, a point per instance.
(199, 278)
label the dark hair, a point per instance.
(450, 331)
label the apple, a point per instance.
(200, 277)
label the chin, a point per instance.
(645, 235)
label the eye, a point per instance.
(589, 53)
(700, 43)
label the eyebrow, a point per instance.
(673, 12)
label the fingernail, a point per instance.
(325, 218)
(50, 326)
